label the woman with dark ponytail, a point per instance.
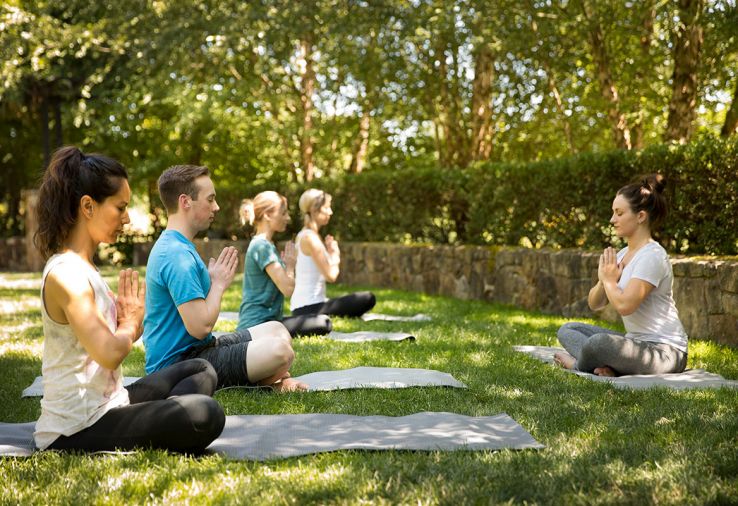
(88, 331)
(637, 281)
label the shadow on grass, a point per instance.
(16, 293)
(603, 444)
(19, 371)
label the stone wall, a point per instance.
(34, 260)
(555, 282)
(207, 248)
(13, 254)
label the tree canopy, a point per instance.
(275, 92)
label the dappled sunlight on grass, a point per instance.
(602, 444)
(19, 305)
(8, 331)
(24, 281)
(509, 392)
(32, 349)
(479, 358)
(225, 326)
(535, 322)
(714, 357)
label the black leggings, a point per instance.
(170, 409)
(352, 305)
(308, 325)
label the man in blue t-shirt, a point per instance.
(183, 295)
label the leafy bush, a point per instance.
(555, 203)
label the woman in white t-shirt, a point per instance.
(318, 261)
(637, 281)
(88, 331)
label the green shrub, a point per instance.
(554, 203)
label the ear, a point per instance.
(87, 206)
(184, 202)
(642, 217)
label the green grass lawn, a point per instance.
(603, 445)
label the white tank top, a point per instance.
(309, 282)
(77, 390)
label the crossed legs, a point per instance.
(260, 355)
(270, 357)
(608, 353)
(170, 409)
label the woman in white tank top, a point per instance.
(88, 332)
(319, 261)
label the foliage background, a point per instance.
(550, 203)
(478, 106)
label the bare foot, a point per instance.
(289, 385)
(604, 371)
(564, 360)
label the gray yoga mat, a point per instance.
(264, 437)
(229, 316)
(691, 378)
(358, 377)
(16, 439)
(378, 377)
(361, 336)
(367, 317)
(364, 336)
(36, 389)
(420, 317)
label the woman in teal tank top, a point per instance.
(268, 276)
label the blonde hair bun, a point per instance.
(312, 199)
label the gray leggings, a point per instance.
(594, 347)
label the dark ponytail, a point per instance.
(71, 175)
(647, 194)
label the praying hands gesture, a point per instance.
(130, 303)
(223, 270)
(289, 256)
(331, 247)
(199, 315)
(609, 270)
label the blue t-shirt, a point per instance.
(175, 274)
(261, 300)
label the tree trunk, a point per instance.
(45, 135)
(361, 143)
(157, 214)
(56, 104)
(306, 98)
(288, 142)
(333, 157)
(647, 32)
(683, 104)
(461, 139)
(195, 142)
(443, 111)
(560, 108)
(618, 122)
(455, 139)
(437, 137)
(731, 117)
(14, 204)
(551, 81)
(481, 111)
